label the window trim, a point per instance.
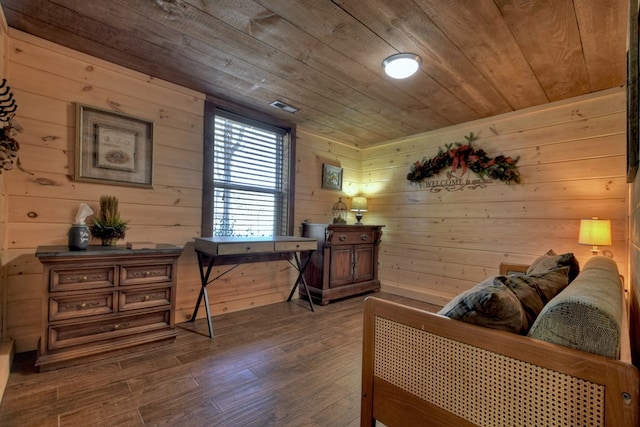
(210, 106)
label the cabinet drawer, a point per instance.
(66, 279)
(296, 246)
(71, 307)
(352, 237)
(131, 300)
(143, 274)
(62, 336)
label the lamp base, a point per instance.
(358, 218)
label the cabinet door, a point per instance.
(364, 267)
(341, 266)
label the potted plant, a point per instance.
(108, 226)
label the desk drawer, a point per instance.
(132, 300)
(296, 246)
(71, 307)
(245, 248)
(61, 336)
(80, 279)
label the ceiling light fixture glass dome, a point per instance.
(401, 65)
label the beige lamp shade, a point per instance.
(595, 232)
(359, 204)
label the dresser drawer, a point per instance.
(62, 336)
(77, 279)
(145, 274)
(71, 307)
(352, 237)
(132, 300)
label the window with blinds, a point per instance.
(250, 191)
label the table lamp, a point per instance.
(595, 232)
(359, 205)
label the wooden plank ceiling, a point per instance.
(480, 57)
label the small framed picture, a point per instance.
(113, 148)
(331, 177)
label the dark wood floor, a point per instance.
(278, 365)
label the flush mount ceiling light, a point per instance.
(401, 65)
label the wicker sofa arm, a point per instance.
(419, 367)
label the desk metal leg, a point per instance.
(204, 280)
(301, 267)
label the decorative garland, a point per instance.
(466, 156)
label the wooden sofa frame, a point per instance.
(420, 368)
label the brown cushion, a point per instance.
(535, 290)
(551, 260)
(490, 303)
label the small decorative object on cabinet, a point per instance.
(79, 232)
(346, 262)
(109, 226)
(339, 211)
(104, 298)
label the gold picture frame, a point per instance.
(113, 148)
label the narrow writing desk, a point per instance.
(244, 248)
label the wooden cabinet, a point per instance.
(104, 298)
(346, 262)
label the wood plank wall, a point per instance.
(47, 80)
(7, 345)
(573, 165)
(634, 269)
(313, 203)
(3, 206)
(434, 245)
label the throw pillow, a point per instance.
(551, 260)
(535, 290)
(490, 303)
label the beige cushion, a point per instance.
(587, 314)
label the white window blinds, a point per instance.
(250, 177)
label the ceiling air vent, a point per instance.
(284, 106)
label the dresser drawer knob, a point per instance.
(364, 237)
(83, 305)
(146, 297)
(342, 237)
(147, 273)
(84, 278)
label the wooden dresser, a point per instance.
(104, 298)
(346, 262)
